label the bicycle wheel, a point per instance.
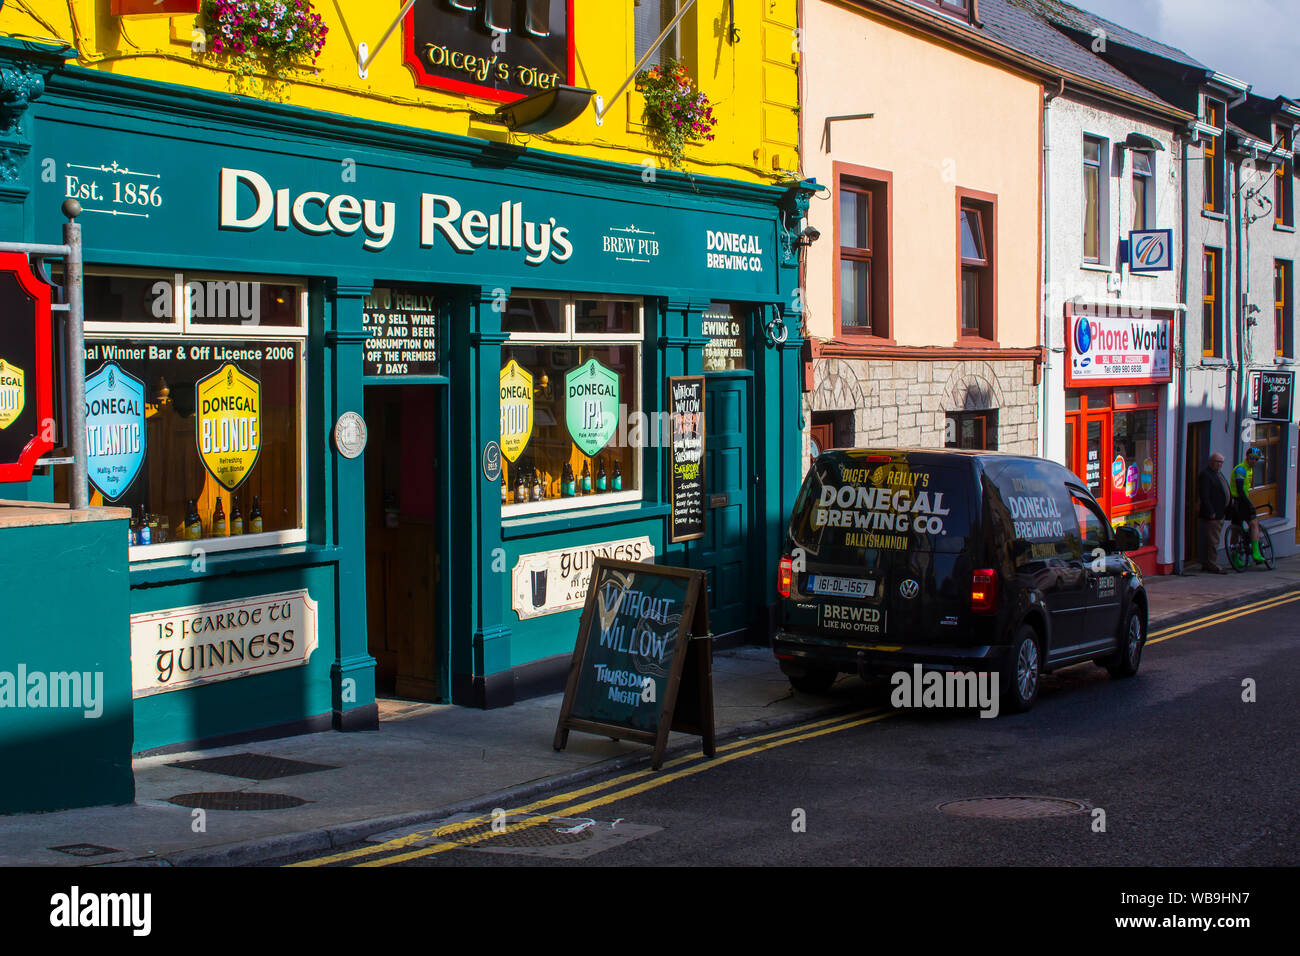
(1236, 543)
(1266, 548)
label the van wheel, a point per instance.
(1126, 661)
(1024, 671)
(814, 680)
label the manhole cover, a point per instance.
(252, 766)
(1012, 808)
(85, 849)
(234, 800)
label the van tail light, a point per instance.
(984, 591)
(785, 576)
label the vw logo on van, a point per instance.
(909, 588)
(1083, 335)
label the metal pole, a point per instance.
(79, 494)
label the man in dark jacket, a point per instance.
(1212, 494)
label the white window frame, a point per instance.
(570, 336)
(1149, 186)
(179, 328)
(1104, 243)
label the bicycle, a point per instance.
(1236, 542)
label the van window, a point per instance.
(852, 511)
(1031, 502)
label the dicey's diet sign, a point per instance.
(1117, 351)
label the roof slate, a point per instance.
(1070, 17)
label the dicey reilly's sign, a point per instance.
(26, 369)
(1117, 351)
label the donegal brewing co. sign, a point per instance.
(187, 646)
(498, 49)
(636, 673)
(228, 424)
(26, 369)
(591, 405)
(115, 429)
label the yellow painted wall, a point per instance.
(752, 83)
(943, 119)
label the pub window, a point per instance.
(976, 234)
(571, 420)
(1212, 173)
(1284, 184)
(1283, 308)
(1211, 304)
(863, 225)
(195, 407)
(1143, 189)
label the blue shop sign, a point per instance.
(446, 221)
(115, 429)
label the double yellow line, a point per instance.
(620, 788)
(575, 802)
(1187, 627)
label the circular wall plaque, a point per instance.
(492, 461)
(350, 434)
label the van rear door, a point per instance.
(880, 545)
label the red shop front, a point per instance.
(1117, 373)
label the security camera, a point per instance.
(809, 235)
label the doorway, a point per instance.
(1198, 456)
(404, 491)
(724, 550)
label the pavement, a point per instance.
(430, 761)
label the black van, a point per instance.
(956, 561)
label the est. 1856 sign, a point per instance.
(498, 49)
(26, 369)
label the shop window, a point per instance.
(1211, 304)
(571, 420)
(1268, 481)
(977, 430)
(650, 18)
(1133, 457)
(1212, 171)
(726, 347)
(862, 225)
(1143, 189)
(1095, 198)
(195, 402)
(1284, 180)
(1283, 308)
(977, 232)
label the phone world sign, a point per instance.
(1117, 351)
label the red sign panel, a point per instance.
(1111, 350)
(125, 8)
(26, 369)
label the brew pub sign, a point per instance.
(502, 50)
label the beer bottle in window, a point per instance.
(568, 487)
(521, 489)
(255, 516)
(618, 477)
(602, 480)
(219, 520)
(537, 486)
(505, 491)
(586, 478)
(193, 523)
(236, 517)
(144, 534)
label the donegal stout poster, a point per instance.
(686, 411)
(636, 673)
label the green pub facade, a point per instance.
(377, 398)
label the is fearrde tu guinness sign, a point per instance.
(26, 369)
(498, 49)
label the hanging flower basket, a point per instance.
(676, 110)
(268, 37)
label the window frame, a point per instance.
(1272, 438)
(570, 336)
(1213, 170)
(878, 184)
(1102, 221)
(1212, 299)
(672, 45)
(1284, 307)
(988, 422)
(1148, 183)
(1284, 190)
(987, 269)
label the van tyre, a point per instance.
(814, 680)
(1024, 671)
(1128, 658)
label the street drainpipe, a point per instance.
(1180, 453)
(1045, 387)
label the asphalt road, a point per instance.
(1185, 771)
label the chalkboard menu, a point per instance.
(686, 483)
(1275, 391)
(636, 672)
(401, 326)
(26, 369)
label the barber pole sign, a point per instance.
(26, 369)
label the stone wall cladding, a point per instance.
(902, 403)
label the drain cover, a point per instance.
(85, 849)
(234, 800)
(1012, 808)
(252, 766)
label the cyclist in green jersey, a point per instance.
(1239, 488)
